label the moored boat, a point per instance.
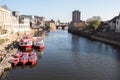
(38, 43)
(18, 55)
(24, 58)
(32, 53)
(25, 42)
(33, 59)
(15, 61)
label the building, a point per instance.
(24, 22)
(76, 22)
(15, 14)
(51, 25)
(39, 21)
(118, 24)
(115, 24)
(76, 16)
(6, 18)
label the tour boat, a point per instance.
(38, 43)
(32, 53)
(18, 55)
(15, 61)
(33, 59)
(25, 42)
(24, 58)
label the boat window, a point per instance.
(21, 43)
(39, 43)
(25, 43)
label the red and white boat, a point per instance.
(33, 59)
(18, 55)
(38, 43)
(24, 58)
(33, 53)
(25, 42)
(15, 61)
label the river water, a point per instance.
(70, 57)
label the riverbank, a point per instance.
(7, 49)
(103, 37)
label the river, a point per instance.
(71, 57)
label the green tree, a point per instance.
(94, 22)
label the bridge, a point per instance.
(63, 26)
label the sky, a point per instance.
(62, 9)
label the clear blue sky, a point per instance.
(62, 9)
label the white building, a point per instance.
(115, 24)
(24, 23)
(7, 21)
(118, 24)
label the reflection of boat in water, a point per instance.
(33, 65)
(15, 66)
(38, 43)
(24, 66)
(39, 50)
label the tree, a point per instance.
(94, 22)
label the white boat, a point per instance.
(38, 43)
(25, 42)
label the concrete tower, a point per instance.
(76, 16)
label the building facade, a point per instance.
(5, 20)
(76, 22)
(40, 21)
(76, 16)
(115, 24)
(24, 23)
(118, 24)
(51, 24)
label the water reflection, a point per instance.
(69, 57)
(24, 66)
(75, 43)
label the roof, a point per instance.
(114, 19)
(26, 16)
(5, 7)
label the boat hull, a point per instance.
(24, 58)
(25, 47)
(15, 61)
(18, 55)
(33, 59)
(39, 47)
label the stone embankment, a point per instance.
(106, 38)
(6, 52)
(8, 49)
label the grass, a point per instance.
(3, 40)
